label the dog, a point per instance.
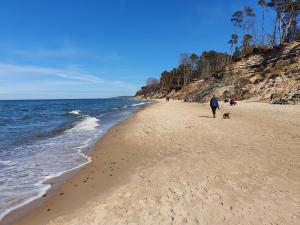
(226, 116)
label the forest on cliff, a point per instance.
(249, 38)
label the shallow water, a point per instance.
(42, 139)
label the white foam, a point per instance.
(54, 156)
(75, 112)
(43, 190)
(5, 162)
(142, 103)
(88, 123)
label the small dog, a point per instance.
(226, 116)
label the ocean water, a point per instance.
(42, 139)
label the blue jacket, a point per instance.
(214, 102)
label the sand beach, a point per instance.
(172, 163)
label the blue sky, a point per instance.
(96, 49)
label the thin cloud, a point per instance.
(71, 73)
(45, 53)
(67, 50)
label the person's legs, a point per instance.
(214, 111)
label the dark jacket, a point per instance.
(214, 102)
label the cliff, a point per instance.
(265, 72)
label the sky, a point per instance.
(57, 49)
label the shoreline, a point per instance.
(57, 181)
(173, 163)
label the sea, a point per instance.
(44, 139)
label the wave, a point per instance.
(141, 103)
(42, 191)
(66, 150)
(88, 123)
(75, 112)
(5, 162)
(64, 153)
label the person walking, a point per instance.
(214, 104)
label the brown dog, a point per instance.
(226, 116)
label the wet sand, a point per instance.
(172, 163)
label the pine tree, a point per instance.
(263, 4)
(247, 43)
(232, 42)
(286, 19)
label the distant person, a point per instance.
(167, 98)
(232, 101)
(214, 104)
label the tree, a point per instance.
(194, 60)
(244, 21)
(297, 36)
(249, 21)
(263, 4)
(237, 52)
(247, 43)
(286, 19)
(211, 62)
(151, 81)
(232, 42)
(291, 9)
(270, 40)
(164, 80)
(186, 63)
(237, 19)
(194, 66)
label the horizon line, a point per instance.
(49, 99)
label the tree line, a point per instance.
(193, 67)
(242, 42)
(285, 27)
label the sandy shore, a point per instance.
(173, 164)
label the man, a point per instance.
(214, 104)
